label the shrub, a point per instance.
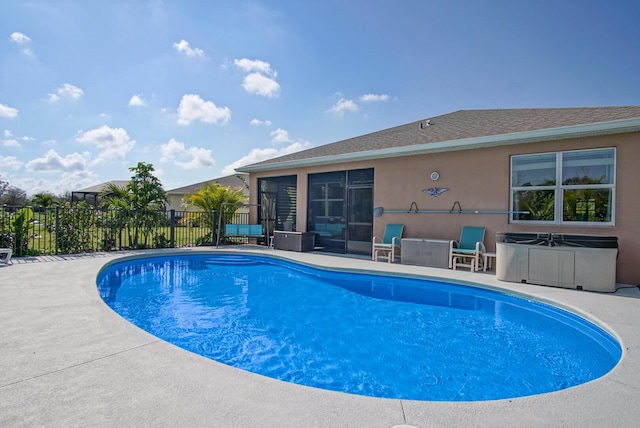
(160, 241)
(73, 229)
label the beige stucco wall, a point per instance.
(479, 180)
(174, 202)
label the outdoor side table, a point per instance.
(488, 257)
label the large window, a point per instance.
(574, 187)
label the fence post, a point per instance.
(120, 228)
(172, 229)
(214, 235)
(57, 226)
(47, 216)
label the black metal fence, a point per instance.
(70, 229)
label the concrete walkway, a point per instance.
(68, 360)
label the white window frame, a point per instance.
(559, 189)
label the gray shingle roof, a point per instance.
(464, 124)
(98, 187)
(235, 180)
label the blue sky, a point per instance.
(90, 88)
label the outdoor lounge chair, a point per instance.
(389, 245)
(5, 255)
(469, 251)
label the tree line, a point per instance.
(140, 204)
(144, 191)
(16, 197)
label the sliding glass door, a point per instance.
(340, 210)
(360, 220)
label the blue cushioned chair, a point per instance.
(389, 246)
(469, 251)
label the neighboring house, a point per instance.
(177, 197)
(574, 169)
(91, 195)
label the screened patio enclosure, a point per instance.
(339, 208)
(278, 198)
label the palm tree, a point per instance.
(140, 203)
(210, 198)
(43, 199)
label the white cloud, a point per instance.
(70, 91)
(66, 91)
(68, 181)
(114, 142)
(11, 143)
(259, 155)
(346, 105)
(187, 158)
(192, 107)
(137, 101)
(6, 111)
(9, 135)
(257, 122)
(259, 84)
(53, 162)
(19, 38)
(343, 105)
(9, 163)
(372, 98)
(280, 136)
(261, 79)
(160, 172)
(9, 139)
(23, 41)
(249, 66)
(183, 46)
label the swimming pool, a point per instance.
(365, 334)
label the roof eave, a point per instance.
(561, 133)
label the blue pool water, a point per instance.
(365, 334)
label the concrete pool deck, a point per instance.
(66, 359)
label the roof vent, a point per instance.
(424, 124)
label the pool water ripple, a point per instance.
(364, 334)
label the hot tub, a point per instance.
(585, 262)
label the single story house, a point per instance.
(547, 170)
(177, 197)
